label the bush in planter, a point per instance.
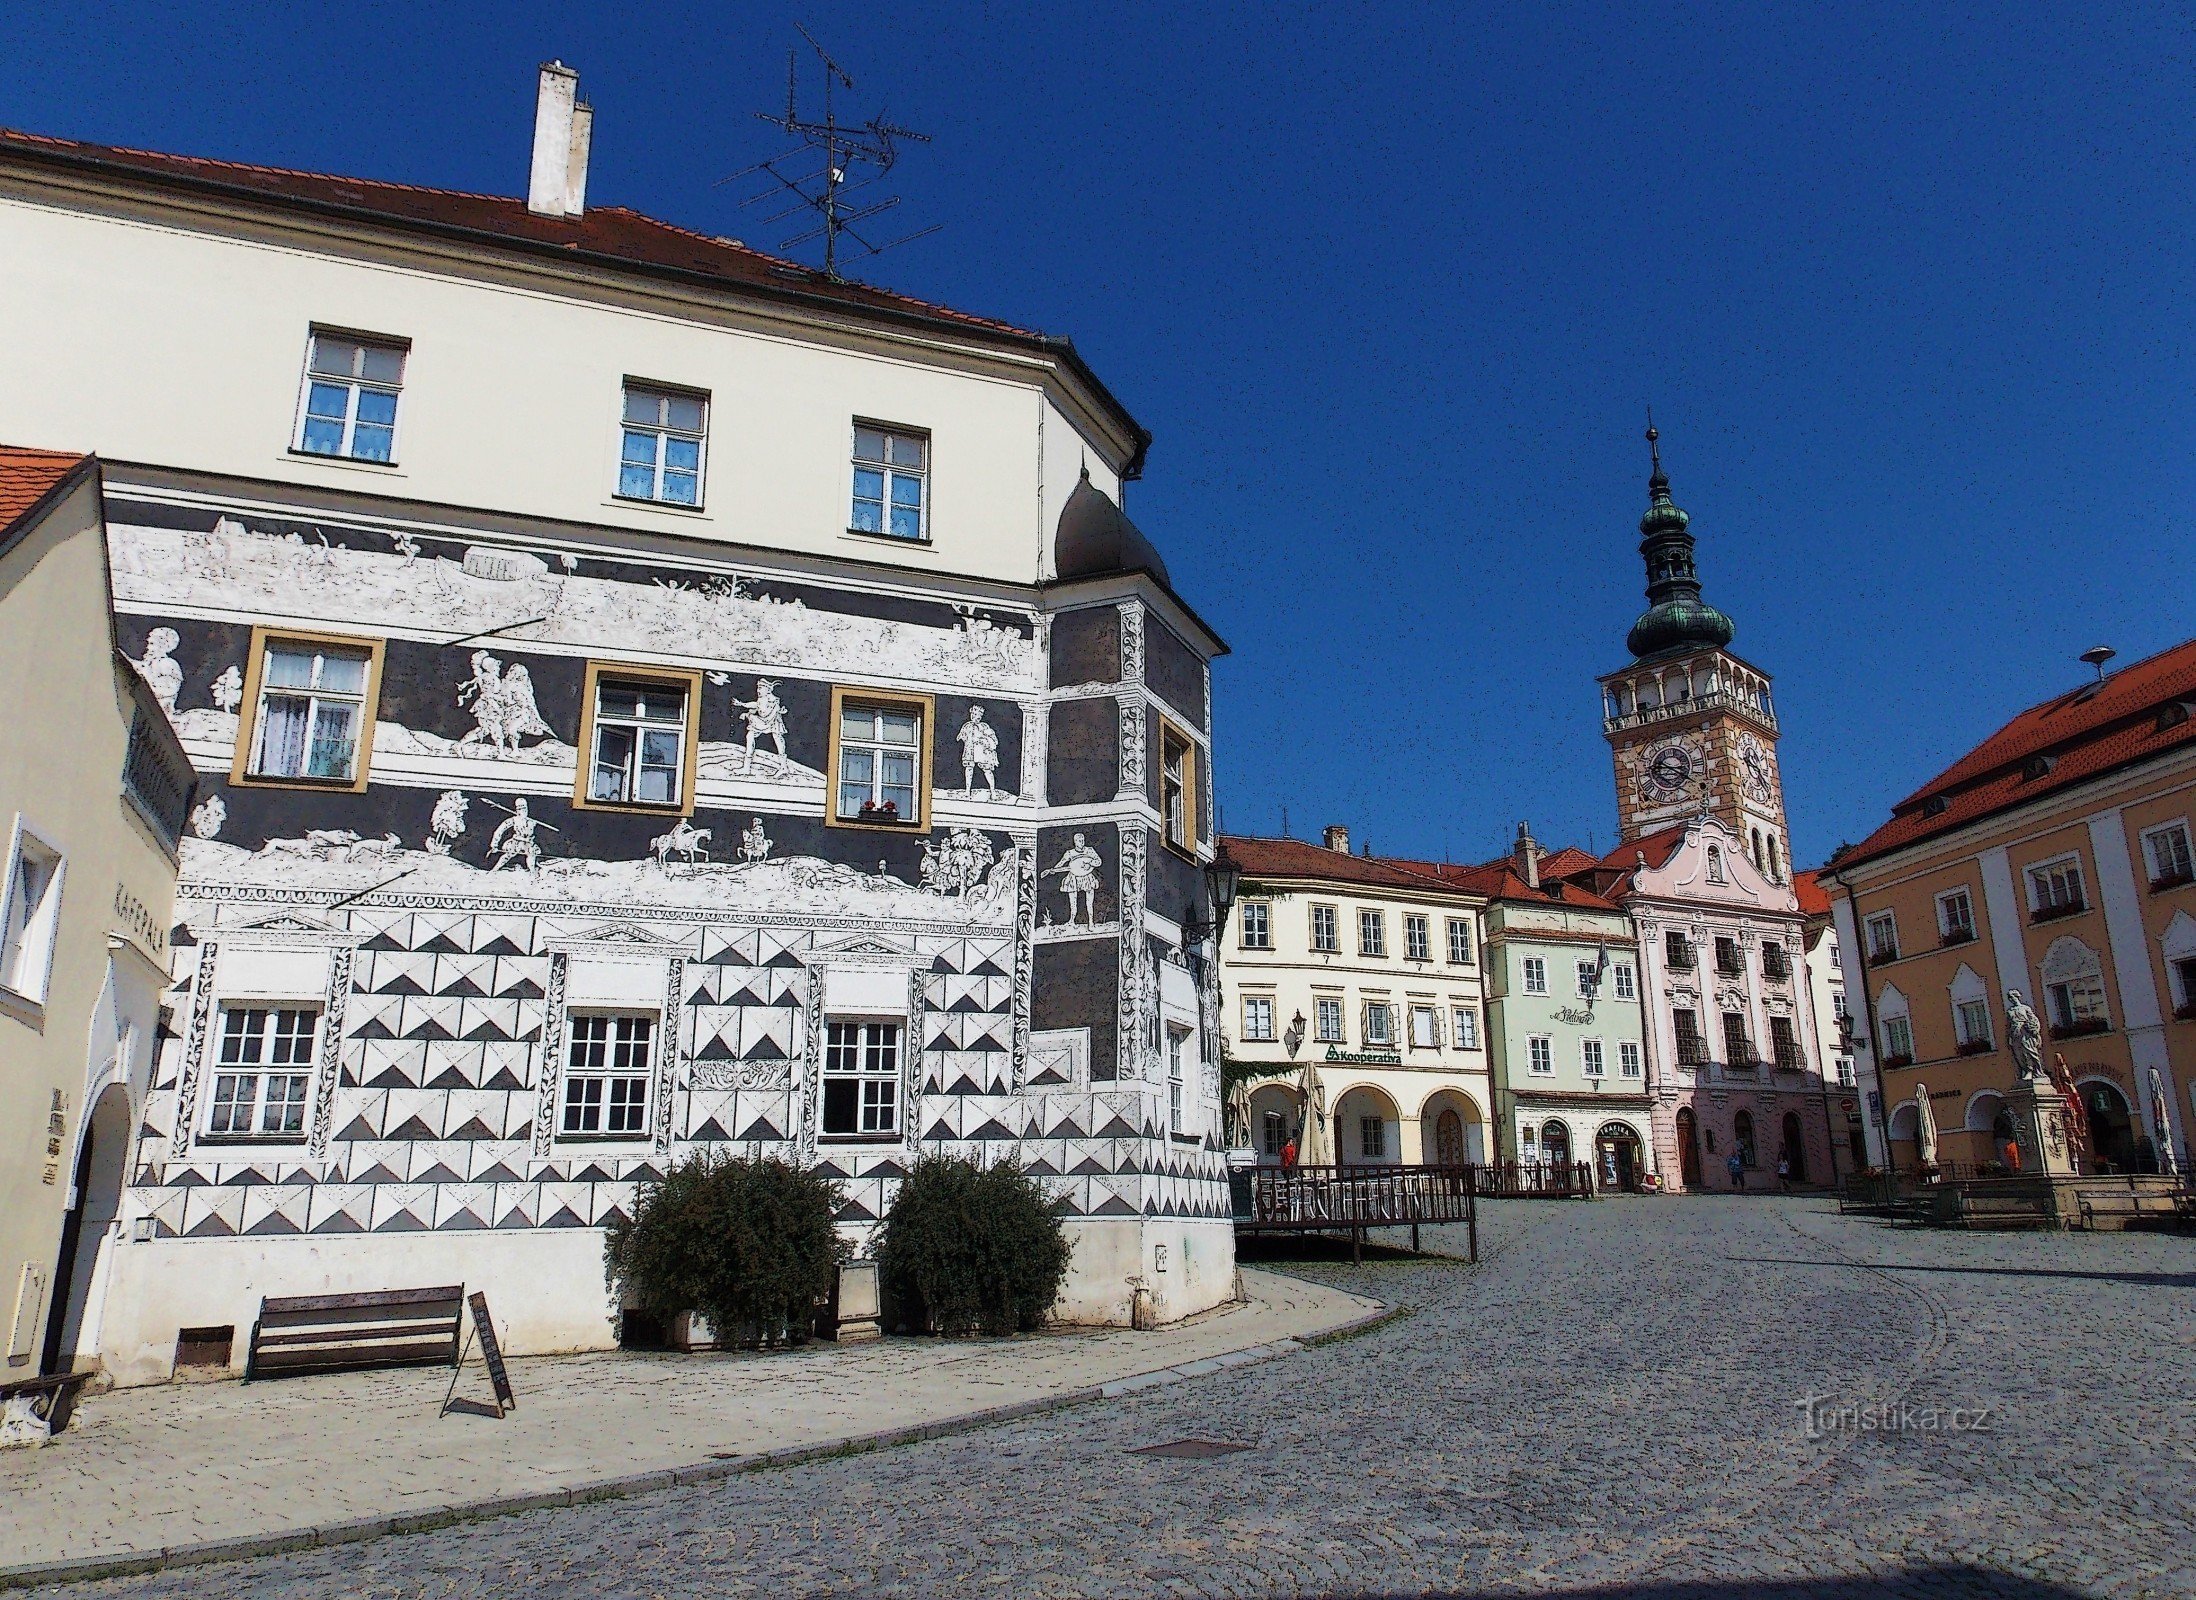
(969, 1248)
(745, 1241)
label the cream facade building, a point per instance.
(1370, 971)
(93, 792)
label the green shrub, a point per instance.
(969, 1248)
(747, 1242)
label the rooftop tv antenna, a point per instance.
(822, 171)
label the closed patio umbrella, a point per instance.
(1925, 1126)
(2161, 1113)
(1315, 1144)
(1239, 1107)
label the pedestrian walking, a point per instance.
(1784, 1174)
(1736, 1166)
(1288, 1156)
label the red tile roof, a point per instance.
(1658, 847)
(607, 234)
(1500, 880)
(1813, 898)
(27, 477)
(2081, 734)
(1298, 858)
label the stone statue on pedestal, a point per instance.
(2024, 1037)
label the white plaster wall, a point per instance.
(1200, 1268)
(545, 1287)
(511, 394)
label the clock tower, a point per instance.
(1692, 726)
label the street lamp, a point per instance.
(1223, 877)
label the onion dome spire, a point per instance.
(1678, 619)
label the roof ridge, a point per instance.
(271, 171)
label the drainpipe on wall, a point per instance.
(1866, 1017)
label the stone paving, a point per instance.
(1612, 1403)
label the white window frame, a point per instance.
(1898, 1036)
(1589, 979)
(1378, 1024)
(890, 473)
(878, 749)
(1328, 1020)
(2153, 837)
(638, 726)
(863, 1036)
(274, 1038)
(1593, 1059)
(1533, 974)
(1257, 925)
(1428, 1037)
(1372, 1136)
(1540, 1055)
(607, 1071)
(1630, 1063)
(1255, 1031)
(2057, 871)
(354, 384)
(1966, 1028)
(1461, 943)
(1945, 902)
(1372, 934)
(1464, 1020)
(316, 698)
(1627, 981)
(30, 913)
(1874, 921)
(1177, 1040)
(1326, 930)
(1417, 936)
(661, 432)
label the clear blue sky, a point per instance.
(1908, 289)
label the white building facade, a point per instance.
(646, 698)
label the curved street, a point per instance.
(1614, 1401)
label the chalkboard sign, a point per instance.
(492, 1353)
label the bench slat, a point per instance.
(440, 1311)
(336, 1338)
(454, 1293)
(270, 1361)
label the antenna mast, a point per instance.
(842, 148)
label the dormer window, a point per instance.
(2038, 766)
(2172, 714)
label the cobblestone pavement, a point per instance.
(1611, 1403)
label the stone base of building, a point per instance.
(1714, 1114)
(546, 1288)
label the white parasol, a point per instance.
(1925, 1126)
(1315, 1144)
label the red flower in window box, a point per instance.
(888, 811)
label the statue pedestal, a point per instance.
(2040, 1116)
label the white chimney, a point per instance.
(1338, 838)
(557, 184)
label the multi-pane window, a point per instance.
(1590, 1058)
(861, 1080)
(1326, 934)
(1460, 942)
(1327, 1020)
(1738, 1049)
(1627, 982)
(2170, 861)
(1372, 933)
(1971, 1024)
(1728, 963)
(1539, 1054)
(880, 748)
(1417, 940)
(1379, 1023)
(660, 457)
(1628, 1059)
(1425, 1028)
(1177, 803)
(1258, 1018)
(2184, 972)
(312, 708)
(263, 1074)
(1372, 1138)
(1784, 1046)
(1677, 951)
(890, 473)
(2078, 1004)
(2055, 888)
(1257, 925)
(1776, 962)
(351, 388)
(640, 744)
(1536, 975)
(1956, 916)
(606, 1075)
(1175, 1040)
(1465, 1020)
(1589, 979)
(1883, 937)
(1274, 1131)
(1898, 1041)
(1692, 1050)
(30, 916)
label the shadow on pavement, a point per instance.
(1918, 1583)
(2162, 1280)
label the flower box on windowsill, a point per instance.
(1893, 1063)
(2073, 908)
(2078, 1030)
(886, 815)
(1956, 936)
(2172, 880)
(1977, 1047)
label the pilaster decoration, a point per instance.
(911, 1059)
(552, 1051)
(331, 1050)
(1129, 1047)
(1025, 954)
(674, 999)
(812, 1047)
(1131, 786)
(1132, 642)
(1036, 748)
(194, 1049)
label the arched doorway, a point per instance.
(1688, 1148)
(1274, 1120)
(1619, 1157)
(1555, 1143)
(1367, 1131)
(1451, 1132)
(1795, 1147)
(1742, 1137)
(2111, 1127)
(100, 1168)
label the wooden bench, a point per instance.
(353, 1332)
(2105, 1210)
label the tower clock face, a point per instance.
(1667, 773)
(1755, 771)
